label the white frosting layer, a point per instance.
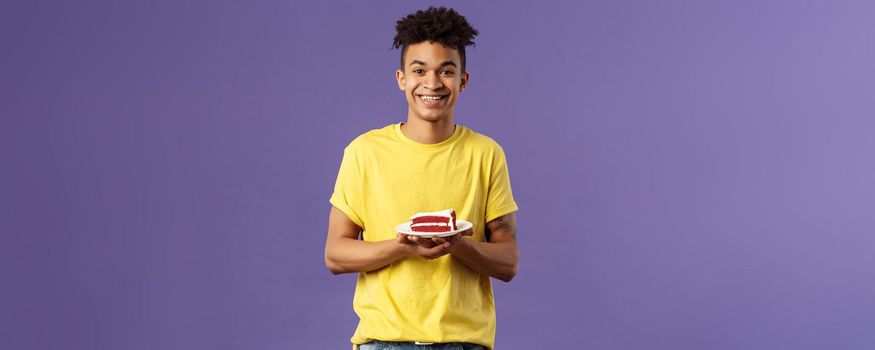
(447, 213)
(431, 224)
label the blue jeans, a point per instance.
(409, 345)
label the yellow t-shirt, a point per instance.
(385, 178)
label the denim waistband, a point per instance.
(402, 343)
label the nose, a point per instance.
(432, 81)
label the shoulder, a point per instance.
(482, 142)
(370, 139)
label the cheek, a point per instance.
(457, 85)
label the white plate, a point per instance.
(404, 228)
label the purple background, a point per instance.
(691, 175)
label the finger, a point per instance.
(468, 232)
(405, 239)
(437, 251)
(444, 248)
(423, 242)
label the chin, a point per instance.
(433, 118)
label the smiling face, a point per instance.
(432, 79)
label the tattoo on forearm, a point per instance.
(505, 223)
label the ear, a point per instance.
(399, 76)
(464, 84)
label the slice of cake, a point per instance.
(436, 221)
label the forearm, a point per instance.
(499, 259)
(346, 255)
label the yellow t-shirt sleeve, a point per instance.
(348, 187)
(499, 200)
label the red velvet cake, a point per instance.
(437, 221)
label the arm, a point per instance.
(497, 258)
(345, 253)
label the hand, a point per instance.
(424, 242)
(431, 248)
(453, 240)
(425, 248)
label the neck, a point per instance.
(428, 132)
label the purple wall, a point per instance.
(690, 175)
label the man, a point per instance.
(413, 291)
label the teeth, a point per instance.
(430, 98)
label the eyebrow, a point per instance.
(446, 63)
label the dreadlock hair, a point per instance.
(435, 24)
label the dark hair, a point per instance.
(435, 24)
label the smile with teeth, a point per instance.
(428, 98)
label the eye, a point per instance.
(448, 72)
(418, 71)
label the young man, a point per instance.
(413, 291)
